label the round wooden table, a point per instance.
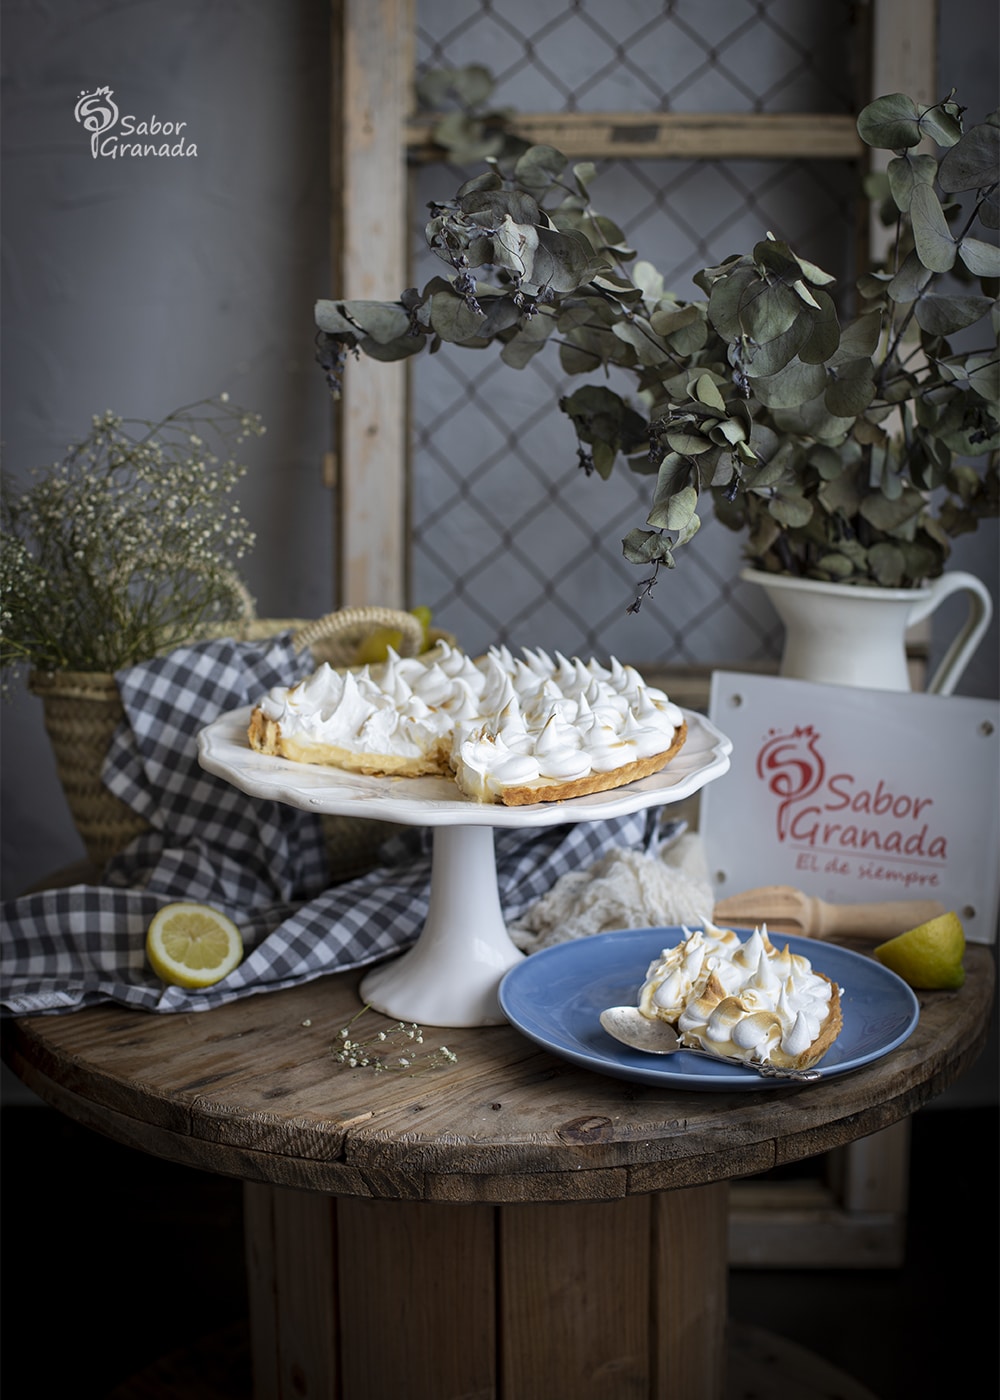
(508, 1226)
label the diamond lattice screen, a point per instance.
(509, 539)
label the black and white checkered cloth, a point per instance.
(261, 862)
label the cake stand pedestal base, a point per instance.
(451, 974)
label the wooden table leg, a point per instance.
(352, 1299)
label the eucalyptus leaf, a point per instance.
(639, 334)
(726, 300)
(538, 167)
(706, 391)
(827, 462)
(499, 314)
(604, 454)
(835, 566)
(331, 319)
(767, 310)
(906, 171)
(768, 474)
(792, 386)
(577, 360)
(859, 339)
(935, 245)
(467, 138)
(772, 357)
(564, 261)
(689, 444)
(813, 419)
(989, 210)
(981, 258)
(851, 389)
(488, 180)
(647, 547)
(689, 531)
(730, 430)
(452, 319)
(681, 509)
(840, 495)
(381, 321)
(890, 123)
(946, 314)
(471, 86)
(514, 248)
(889, 515)
(984, 376)
(583, 173)
(685, 331)
(942, 123)
(823, 331)
(973, 163)
(790, 510)
(389, 350)
(888, 563)
(527, 342)
(911, 279)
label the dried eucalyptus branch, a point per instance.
(852, 449)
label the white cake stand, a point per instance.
(449, 977)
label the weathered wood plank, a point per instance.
(372, 84)
(558, 1267)
(674, 135)
(412, 1265)
(690, 1307)
(261, 1268)
(306, 1297)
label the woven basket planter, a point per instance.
(82, 710)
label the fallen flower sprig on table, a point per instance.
(388, 1049)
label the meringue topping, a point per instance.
(747, 1000)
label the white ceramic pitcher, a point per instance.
(842, 635)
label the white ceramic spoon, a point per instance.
(627, 1024)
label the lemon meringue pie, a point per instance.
(514, 730)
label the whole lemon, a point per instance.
(928, 956)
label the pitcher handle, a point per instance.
(961, 650)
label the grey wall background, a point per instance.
(140, 284)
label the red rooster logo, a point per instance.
(792, 768)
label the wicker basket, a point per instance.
(82, 710)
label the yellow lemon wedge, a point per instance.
(928, 956)
(192, 945)
(423, 615)
(375, 647)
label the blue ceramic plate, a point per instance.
(555, 997)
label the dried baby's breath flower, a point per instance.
(357, 1054)
(127, 545)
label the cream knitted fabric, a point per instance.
(624, 889)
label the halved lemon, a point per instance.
(928, 956)
(192, 945)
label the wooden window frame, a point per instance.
(375, 138)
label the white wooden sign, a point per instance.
(857, 795)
